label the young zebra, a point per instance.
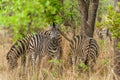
(84, 50)
(37, 46)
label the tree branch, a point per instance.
(64, 35)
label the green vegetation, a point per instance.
(113, 20)
(83, 66)
(55, 62)
(23, 16)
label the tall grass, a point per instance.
(104, 65)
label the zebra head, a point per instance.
(54, 31)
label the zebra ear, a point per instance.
(54, 25)
(54, 28)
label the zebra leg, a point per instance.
(73, 63)
(33, 57)
(38, 61)
(92, 66)
(28, 61)
(23, 63)
(23, 60)
(59, 57)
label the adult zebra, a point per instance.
(49, 45)
(40, 44)
(84, 50)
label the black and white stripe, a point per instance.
(84, 50)
(48, 44)
(104, 33)
(36, 46)
(18, 49)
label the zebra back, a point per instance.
(39, 41)
(91, 49)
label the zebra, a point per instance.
(37, 45)
(46, 45)
(84, 50)
(19, 48)
(103, 33)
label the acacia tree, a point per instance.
(88, 9)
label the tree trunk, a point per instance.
(88, 11)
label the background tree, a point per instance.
(24, 17)
(113, 22)
(88, 9)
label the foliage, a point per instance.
(24, 16)
(118, 45)
(51, 10)
(56, 62)
(102, 12)
(17, 15)
(102, 9)
(84, 66)
(113, 20)
(71, 12)
(105, 61)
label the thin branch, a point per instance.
(64, 35)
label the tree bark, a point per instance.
(84, 15)
(88, 9)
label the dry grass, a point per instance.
(104, 69)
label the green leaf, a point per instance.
(85, 67)
(118, 45)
